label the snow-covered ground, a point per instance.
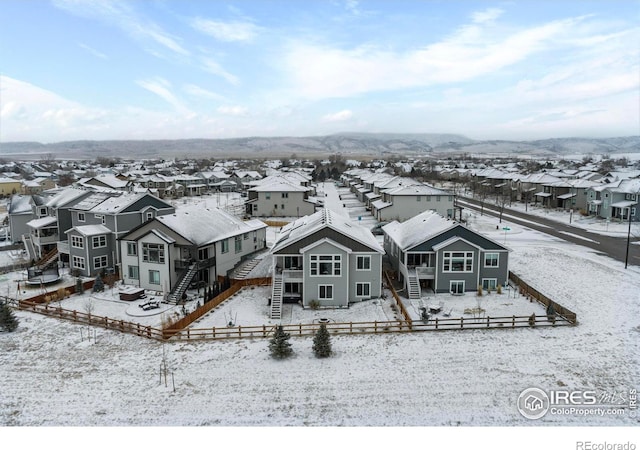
(51, 376)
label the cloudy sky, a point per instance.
(100, 69)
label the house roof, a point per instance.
(20, 204)
(206, 225)
(90, 230)
(325, 218)
(416, 189)
(417, 229)
(65, 197)
(42, 222)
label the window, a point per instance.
(224, 244)
(281, 206)
(99, 262)
(77, 262)
(132, 248)
(418, 198)
(134, 274)
(325, 292)
(363, 289)
(149, 215)
(77, 242)
(437, 198)
(267, 195)
(238, 244)
(275, 206)
(43, 211)
(99, 241)
(153, 253)
(245, 236)
(456, 287)
(457, 262)
(633, 211)
(491, 259)
(325, 265)
(154, 277)
(285, 195)
(489, 284)
(101, 217)
(80, 217)
(363, 262)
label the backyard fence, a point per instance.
(529, 291)
(399, 303)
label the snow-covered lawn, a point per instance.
(50, 376)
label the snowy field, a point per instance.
(52, 377)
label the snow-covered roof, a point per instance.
(416, 189)
(65, 196)
(418, 229)
(206, 225)
(325, 218)
(42, 222)
(113, 205)
(110, 180)
(20, 204)
(90, 230)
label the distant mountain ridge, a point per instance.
(348, 144)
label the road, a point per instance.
(614, 247)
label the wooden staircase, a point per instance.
(276, 298)
(182, 284)
(413, 285)
(48, 259)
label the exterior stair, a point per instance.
(48, 259)
(182, 284)
(276, 298)
(28, 245)
(413, 285)
(242, 273)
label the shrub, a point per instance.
(279, 346)
(314, 304)
(8, 320)
(322, 342)
(499, 289)
(479, 291)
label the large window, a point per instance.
(154, 277)
(132, 248)
(326, 265)
(77, 242)
(325, 292)
(363, 262)
(99, 241)
(224, 245)
(491, 259)
(363, 289)
(238, 244)
(100, 262)
(457, 262)
(77, 262)
(134, 273)
(153, 253)
(490, 284)
(456, 287)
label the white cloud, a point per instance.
(121, 15)
(226, 31)
(486, 16)
(197, 91)
(339, 116)
(93, 51)
(233, 110)
(322, 72)
(214, 68)
(161, 88)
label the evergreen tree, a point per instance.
(8, 320)
(79, 286)
(322, 342)
(279, 345)
(98, 285)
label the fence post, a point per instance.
(350, 327)
(461, 322)
(264, 331)
(239, 331)
(213, 332)
(488, 321)
(513, 322)
(436, 323)
(375, 326)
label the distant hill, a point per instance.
(348, 144)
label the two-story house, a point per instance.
(441, 255)
(404, 202)
(279, 196)
(325, 259)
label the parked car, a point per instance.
(377, 228)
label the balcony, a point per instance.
(63, 247)
(424, 272)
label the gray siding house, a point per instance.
(280, 196)
(326, 260)
(193, 244)
(404, 202)
(441, 255)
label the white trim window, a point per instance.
(456, 286)
(325, 265)
(325, 292)
(224, 246)
(81, 217)
(237, 240)
(99, 241)
(457, 262)
(149, 215)
(492, 259)
(100, 262)
(102, 218)
(77, 242)
(489, 284)
(363, 290)
(77, 262)
(132, 248)
(153, 253)
(154, 277)
(134, 272)
(363, 262)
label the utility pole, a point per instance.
(626, 258)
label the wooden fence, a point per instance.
(176, 327)
(90, 319)
(529, 291)
(399, 303)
